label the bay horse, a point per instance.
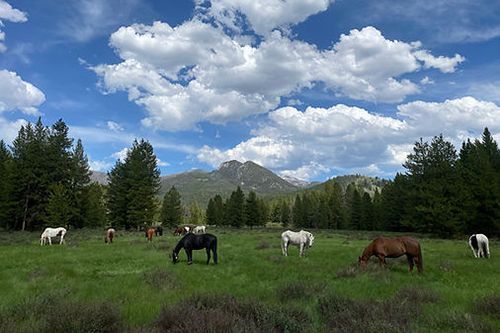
(302, 238)
(479, 245)
(48, 233)
(181, 231)
(393, 248)
(110, 234)
(192, 242)
(150, 233)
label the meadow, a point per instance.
(132, 286)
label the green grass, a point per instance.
(139, 279)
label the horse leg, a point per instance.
(284, 248)
(50, 240)
(208, 255)
(214, 251)
(381, 261)
(189, 254)
(410, 262)
(301, 250)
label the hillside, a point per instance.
(368, 184)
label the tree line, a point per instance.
(45, 180)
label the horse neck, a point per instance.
(178, 247)
(368, 251)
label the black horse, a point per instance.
(159, 231)
(192, 242)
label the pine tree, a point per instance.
(252, 213)
(367, 213)
(59, 210)
(117, 202)
(276, 214)
(94, 206)
(6, 203)
(171, 210)
(235, 213)
(285, 214)
(195, 213)
(355, 210)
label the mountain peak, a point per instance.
(233, 164)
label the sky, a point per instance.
(310, 89)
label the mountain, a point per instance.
(200, 186)
(299, 182)
(367, 184)
(99, 177)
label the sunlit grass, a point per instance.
(250, 267)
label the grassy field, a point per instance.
(133, 286)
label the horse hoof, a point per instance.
(190, 262)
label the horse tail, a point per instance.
(420, 263)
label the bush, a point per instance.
(489, 305)
(162, 279)
(297, 291)
(223, 313)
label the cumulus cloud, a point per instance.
(351, 139)
(262, 16)
(195, 72)
(8, 13)
(16, 94)
(10, 129)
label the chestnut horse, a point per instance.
(150, 233)
(393, 248)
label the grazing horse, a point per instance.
(110, 234)
(479, 245)
(302, 238)
(48, 233)
(150, 233)
(192, 242)
(159, 231)
(393, 248)
(201, 229)
(179, 231)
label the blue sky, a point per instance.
(308, 88)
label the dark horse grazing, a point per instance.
(393, 248)
(192, 242)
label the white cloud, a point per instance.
(195, 72)
(11, 14)
(16, 94)
(120, 155)
(102, 166)
(114, 127)
(162, 163)
(351, 139)
(444, 64)
(262, 15)
(426, 80)
(10, 129)
(8, 13)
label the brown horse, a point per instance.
(150, 233)
(110, 234)
(393, 248)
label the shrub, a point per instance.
(161, 278)
(488, 305)
(223, 313)
(298, 291)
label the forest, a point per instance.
(45, 180)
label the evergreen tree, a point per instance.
(117, 202)
(80, 180)
(252, 213)
(59, 209)
(94, 206)
(195, 213)
(355, 210)
(276, 214)
(285, 214)
(235, 214)
(367, 213)
(171, 211)
(6, 203)
(143, 178)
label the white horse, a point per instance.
(479, 245)
(302, 238)
(48, 233)
(201, 229)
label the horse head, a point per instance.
(175, 257)
(310, 238)
(362, 261)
